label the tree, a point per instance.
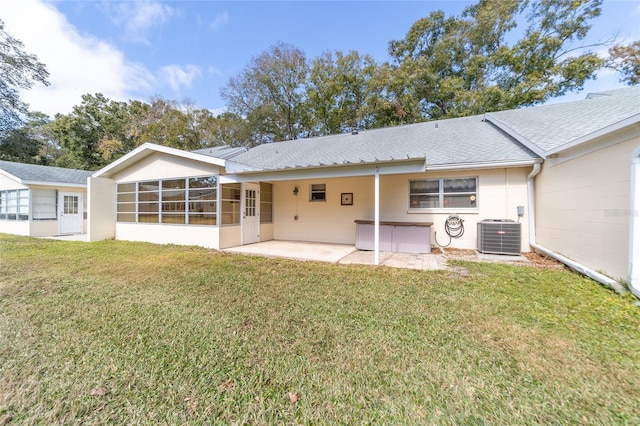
(31, 143)
(337, 91)
(18, 70)
(270, 95)
(626, 60)
(453, 66)
(95, 133)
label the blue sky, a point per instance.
(189, 49)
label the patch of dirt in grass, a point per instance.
(532, 259)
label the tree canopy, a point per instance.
(495, 55)
(18, 70)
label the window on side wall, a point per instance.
(318, 192)
(266, 202)
(443, 193)
(14, 204)
(230, 204)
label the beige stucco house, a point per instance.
(42, 201)
(564, 179)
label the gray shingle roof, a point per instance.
(33, 173)
(550, 127)
(223, 152)
(468, 140)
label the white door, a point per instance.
(70, 212)
(250, 213)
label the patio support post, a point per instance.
(376, 226)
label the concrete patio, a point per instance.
(339, 253)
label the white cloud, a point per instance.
(221, 19)
(138, 17)
(77, 64)
(177, 76)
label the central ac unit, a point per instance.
(499, 236)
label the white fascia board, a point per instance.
(10, 176)
(517, 136)
(149, 148)
(487, 165)
(634, 119)
(55, 184)
(414, 165)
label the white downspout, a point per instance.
(376, 225)
(634, 225)
(606, 281)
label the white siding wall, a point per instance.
(582, 208)
(500, 192)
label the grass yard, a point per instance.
(132, 333)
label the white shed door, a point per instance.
(250, 213)
(70, 212)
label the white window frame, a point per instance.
(320, 188)
(136, 196)
(441, 194)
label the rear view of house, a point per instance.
(42, 201)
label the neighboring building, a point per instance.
(41, 200)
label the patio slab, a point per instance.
(339, 253)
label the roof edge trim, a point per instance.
(133, 155)
(598, 133)
(486, 165)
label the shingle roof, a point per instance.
(467, 140)
(550, 127)
(223, 152)
(33, 173)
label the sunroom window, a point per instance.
(191, 201)
(459, 193)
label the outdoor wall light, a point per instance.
(295, 190)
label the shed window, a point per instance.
(44, 204)
(14, 204)
(443, 193)
(318, 192)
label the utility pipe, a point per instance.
(604, 280)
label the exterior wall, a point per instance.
(230, 236)
(266, 231)
(163, 166)
(582, 207)
(102, 209)
(205, 236)
(16, 227)
(500, 191)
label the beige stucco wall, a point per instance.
(582, 207)
(500, 192)
(102, 209)
(230, 236)
(205, 236)
(163, 166)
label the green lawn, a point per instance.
(131, 333)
